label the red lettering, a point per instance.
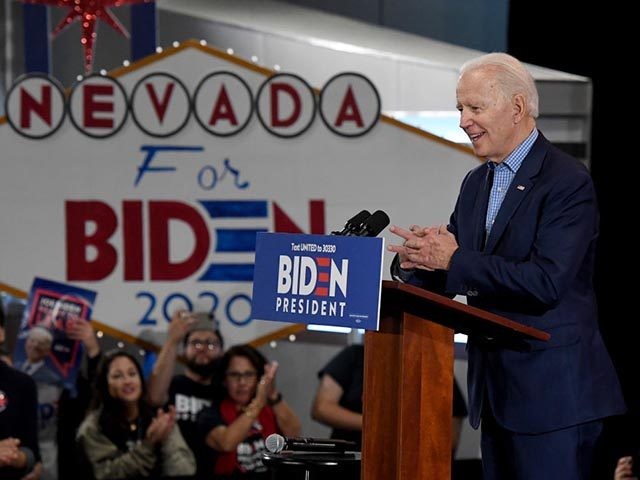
(132, 242)
(223, 110)
(283, 223)
(160, 214)
(160, 106)
(29, 104)
(349, 111)
(276, 121)
(92, 106)
(77, 215)
(91, 224)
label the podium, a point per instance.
(408, 380)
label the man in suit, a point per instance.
(49, 386)
(521, 243)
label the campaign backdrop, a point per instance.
(149, 184)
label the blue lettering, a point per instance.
(151, 151)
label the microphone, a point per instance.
(373, 225)
(353, 223)
(275, 443)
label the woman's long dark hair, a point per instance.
(113, 420)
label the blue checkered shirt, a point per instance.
(503, 175)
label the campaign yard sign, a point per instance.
(55, 306)
(319, 279)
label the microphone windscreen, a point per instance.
(274, 443)
(358, 218)
(376, 223)
(354, 223)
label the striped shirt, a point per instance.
(503, 175)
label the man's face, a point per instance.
(36, 348)
(486, 116)
(202, 350)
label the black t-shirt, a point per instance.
(347, 369)
(18, 413)
(71, 412)
(189, 398)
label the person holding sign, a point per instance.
(521, 243)
(73, 405)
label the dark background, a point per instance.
(591, 42)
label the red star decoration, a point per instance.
(89, 11)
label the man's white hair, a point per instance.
(512, 76)
(41, 335)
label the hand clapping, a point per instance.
(624, 469)
(266, 385)
(161, 426)
(9, 452)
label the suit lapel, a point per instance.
(518, 190)
(480, 211)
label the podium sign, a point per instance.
(320, 279)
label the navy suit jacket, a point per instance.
(536, 268)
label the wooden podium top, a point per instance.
(459, 316)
